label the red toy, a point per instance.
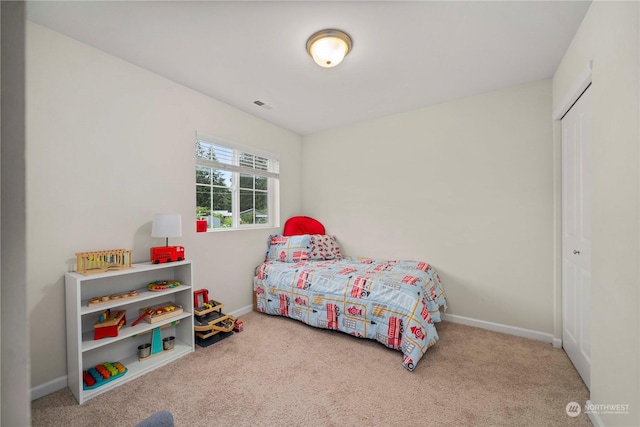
(108, 326)
(196, 297)
(142, 316)
(167, 254)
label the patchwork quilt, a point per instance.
(393, 302)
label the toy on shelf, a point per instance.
(112, 298)
(158, 345)
(160, 311)
(103, 261)
(209, 320)
(163, 285)
(144, 314)
(167, 254)
(101, 374)
(107, 325)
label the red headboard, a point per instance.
(297, 225)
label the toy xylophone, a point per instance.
(101, 374)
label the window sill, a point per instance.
(252, 227)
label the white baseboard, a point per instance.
(48, 388)
(594, 418)
(505, 329)
(244, 310)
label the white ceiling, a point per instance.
(405, 55)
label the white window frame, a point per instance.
(236, 169)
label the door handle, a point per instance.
(575, 252)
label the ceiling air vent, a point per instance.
(262, 104)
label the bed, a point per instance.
(306, 277)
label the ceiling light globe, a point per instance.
(328, 52)
(328, 47)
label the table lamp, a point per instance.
(167, 225)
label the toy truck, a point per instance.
(167, 254)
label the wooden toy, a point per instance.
(161, 311)
(112, 298)
(209, 320)
(142, 316)
(107, 325)
(163, 285)
(103, 261)
(158, 344)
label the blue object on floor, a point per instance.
(159, 419)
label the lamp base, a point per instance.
(162, 254)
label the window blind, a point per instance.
(220, 154)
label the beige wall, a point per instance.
(108, 145)
(609, 36)
(466, 186)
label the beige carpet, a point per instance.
(279, 372)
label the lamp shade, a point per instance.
(167, 225)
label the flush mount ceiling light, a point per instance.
(329, 47)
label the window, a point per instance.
(236, 186)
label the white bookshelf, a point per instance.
(83, 352)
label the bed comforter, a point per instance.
(393, 302)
